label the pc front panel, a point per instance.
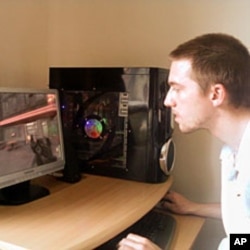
(115, 121)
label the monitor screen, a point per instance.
(31, 143)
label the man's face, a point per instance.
(191, 107)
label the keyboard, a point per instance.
(156, 226)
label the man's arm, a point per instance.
(178, 204)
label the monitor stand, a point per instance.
(21, 193)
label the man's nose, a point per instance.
(168, 101)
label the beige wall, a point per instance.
(23, 43)
(37, 34)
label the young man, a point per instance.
(210, 89)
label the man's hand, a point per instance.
(136, 242)
(178, 204)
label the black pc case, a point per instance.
(114, 122)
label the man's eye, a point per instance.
(175, 89)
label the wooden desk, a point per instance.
(83, 215)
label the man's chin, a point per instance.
(185, 130)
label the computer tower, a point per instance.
(116, 122)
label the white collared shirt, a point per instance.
(235, 192)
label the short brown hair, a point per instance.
(219, 58)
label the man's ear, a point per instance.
(217, 94)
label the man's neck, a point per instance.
(230, 126)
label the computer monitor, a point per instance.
(31, 142)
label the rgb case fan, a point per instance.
(98, 125)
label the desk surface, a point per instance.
(85, 214)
